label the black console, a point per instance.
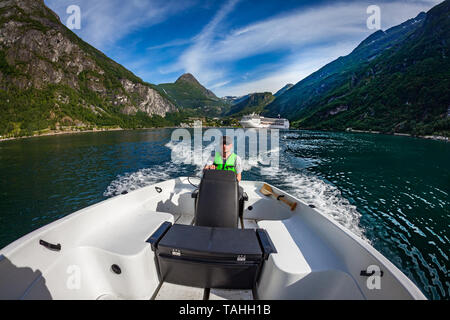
(206, 257)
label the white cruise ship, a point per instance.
(259, 122)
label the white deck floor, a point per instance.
(169, 291)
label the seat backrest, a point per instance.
(218, 200)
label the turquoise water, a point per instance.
(391, 191)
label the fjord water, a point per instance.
(391, 191)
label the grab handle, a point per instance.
(50, 246)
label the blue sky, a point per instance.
(233, 47)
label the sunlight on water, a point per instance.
(391, 191)
(308, 188)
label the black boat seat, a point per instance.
(218, 203)
(204, 257)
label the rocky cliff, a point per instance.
(64, 77)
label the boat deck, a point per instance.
(169, 291)
(316, 258)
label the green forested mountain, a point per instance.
(51, 79)
(283, 90)
(395, 81)
(188, 93)
(254, 103)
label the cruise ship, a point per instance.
(259, 122)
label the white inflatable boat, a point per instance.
(106, 252)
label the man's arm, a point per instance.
(210, 164)
(239, 169)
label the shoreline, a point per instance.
(56, 133)
(435, 138)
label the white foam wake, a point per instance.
(184, 153)
(307, 187)
(312, 190)
(142, 178)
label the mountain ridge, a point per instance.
(394, 81)
(254, 103)
(188, 93)
(50, 79)
(283, 90)
(189, 78)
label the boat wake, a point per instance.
(302, 184)
(145, 177)
(314, 191)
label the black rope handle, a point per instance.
(50, 246)
(364, 273)
(279, 197)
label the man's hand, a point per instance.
(210, 167)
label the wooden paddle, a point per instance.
(268, 191)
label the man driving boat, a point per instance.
(226, 159)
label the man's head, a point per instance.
(227, 145)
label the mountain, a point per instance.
(235, 100)
(51, 79)
(394, 81)
(188, 93)
(283, 90)
(254, 103)
(189, 79)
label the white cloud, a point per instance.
(294, 69)
(319, 29)
(220, 84)
(193, 59)
(104, 22)
(173, 43)
(309, 38)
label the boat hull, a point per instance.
(258, 122)
(316, 257)
(251, 125)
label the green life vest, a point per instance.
(230, 165)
